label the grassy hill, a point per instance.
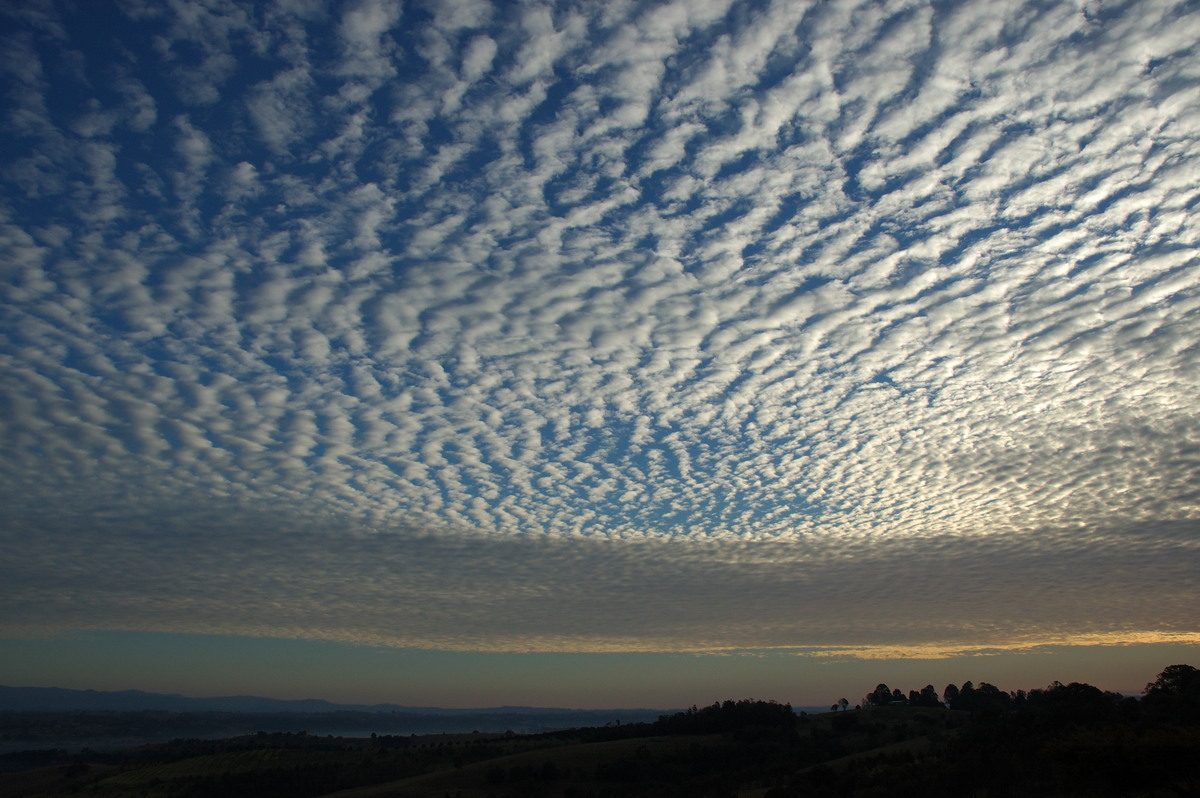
(630, 760)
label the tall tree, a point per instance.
(929, 696)
(1175, 693)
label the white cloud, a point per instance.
(279, 108)
(364, 29)
(477, 59)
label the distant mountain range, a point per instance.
(149, 716)
(57, 699)
(44, 717)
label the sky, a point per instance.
(598, 354)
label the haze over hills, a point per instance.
(156, 716)
(58, 699)
(66, 700)
(70, 718)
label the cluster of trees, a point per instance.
(1062, 740)
(883, 696)
(723, 717)
(726, 716)
(1176, 690)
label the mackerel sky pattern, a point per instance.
(837, 326)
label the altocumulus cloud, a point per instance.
(833, 326)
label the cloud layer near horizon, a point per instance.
(622, 326)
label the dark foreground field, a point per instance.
(1065, 740)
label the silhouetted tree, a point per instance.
(844, 703)
(989, 697)
(966, 696)
(1175, 694)
(1175, 679)
(950, 695)
(881, 696)
(1062, 705)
